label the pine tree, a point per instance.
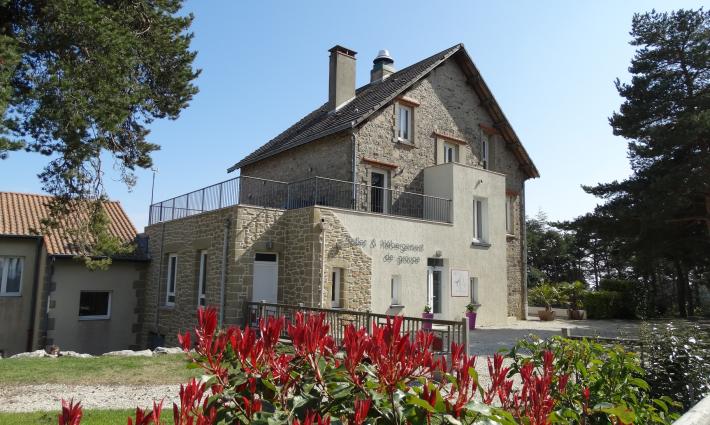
(663, 210)
(80, 79)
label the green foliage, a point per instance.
(677, 360)
(552, 254)
(612, 375)
(81, 80)
(629, 296)
(547, 295)
(603, 304)
(574, 294)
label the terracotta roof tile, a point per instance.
(21, 215)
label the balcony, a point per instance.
(320, 191)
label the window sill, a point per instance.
(396, 305)
(93, 318)
(18, 295)
(167, 307)
(405, 142)
(510, 236)
(479, 244)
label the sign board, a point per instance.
(459, 283)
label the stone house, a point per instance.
(406, 192)
(49, 298)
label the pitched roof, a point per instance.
(21, 215)
(371, 97)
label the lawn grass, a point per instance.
(91, 417)
(102, 370)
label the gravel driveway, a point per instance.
(47, 397)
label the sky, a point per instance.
(550, 64)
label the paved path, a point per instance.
(488, 340)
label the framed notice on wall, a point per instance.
(459, 283)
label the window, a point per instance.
(170, 283)
(94, 305)
(484, 150)
(404, 124)
(509, 214)
(260, 256)
(335, 288)
(480, 232)
(395, 290)
(474, 290)
(202, 280)
(11, 275)
(450, 152)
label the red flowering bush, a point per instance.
(385, 377)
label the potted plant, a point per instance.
(575, 291)
(548, 294)
(471, 309)
(428, 316)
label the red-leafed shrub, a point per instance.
(385, 377)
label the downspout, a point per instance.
(354, 172)
(46, 310)
(524, 247)
(35, 290)
(223, 275)
(322, 264)
(160, 278)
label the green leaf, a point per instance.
(416, 401)
(624, 414)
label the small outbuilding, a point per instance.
(48, 298)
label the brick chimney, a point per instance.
(341, 84)
(382, 66)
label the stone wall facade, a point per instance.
(356, 265)
(296, 236)
(329, 157)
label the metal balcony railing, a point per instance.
(242, 190)
(321, 191)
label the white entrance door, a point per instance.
(335, 288)
(266, 278)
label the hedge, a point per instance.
(603, 304)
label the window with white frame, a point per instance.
(94, 305)
(404, 123)
(485, 142)
(509, 214)
(202, 280)
(395, 290)
(451, 152)
(11, 275)
(480, 220)
(170, 282)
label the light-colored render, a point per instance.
(401, 247)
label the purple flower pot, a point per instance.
(471, 320)
(426, 324)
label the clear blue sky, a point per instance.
(550, 64)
